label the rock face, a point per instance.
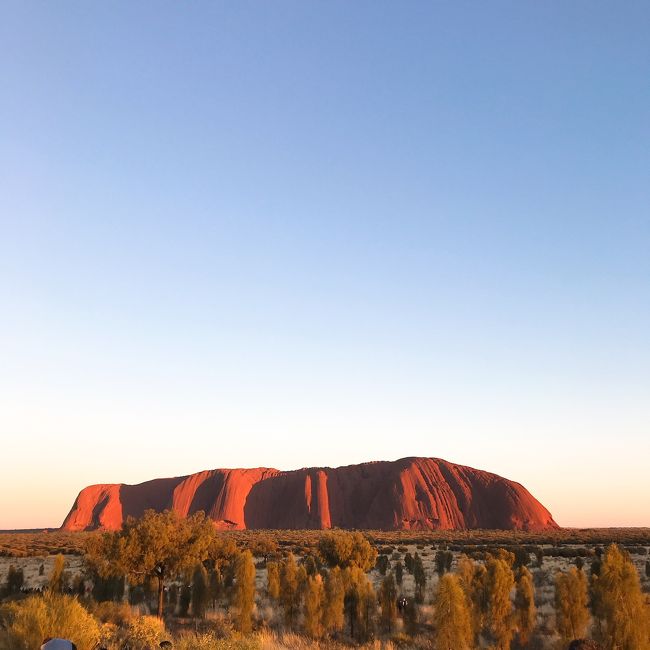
(407, 494)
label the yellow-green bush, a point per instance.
(144, 632)
(26, 623)
(109, 612)
(210, 641)
(110, 636)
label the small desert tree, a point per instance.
(521, 557)
(388, 602)
(443, 561)
(420, 578)
(334, 608)
(15, 579)
(289, 590)
(367, 607)
(200, 591)
(410, 617)
(106, 589)
(57, 579)
(623, 607)
(244, 594)
(313, 614)
(221, 560)
(359, 602)
(158, 546)
(500, 581)
(215, 586)
(473, 580)
(184, 600)
(382, 564)
(571, 601)
(273, 580)
(451, 616)
(399, 573)
(525, 611)
(222, 555)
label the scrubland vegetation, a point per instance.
(29, 544)
(162, 578)
(16, 544)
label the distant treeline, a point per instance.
(27, 544)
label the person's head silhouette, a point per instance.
(57, 644)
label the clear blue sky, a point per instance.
(317, 233)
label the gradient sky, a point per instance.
(319, 233)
